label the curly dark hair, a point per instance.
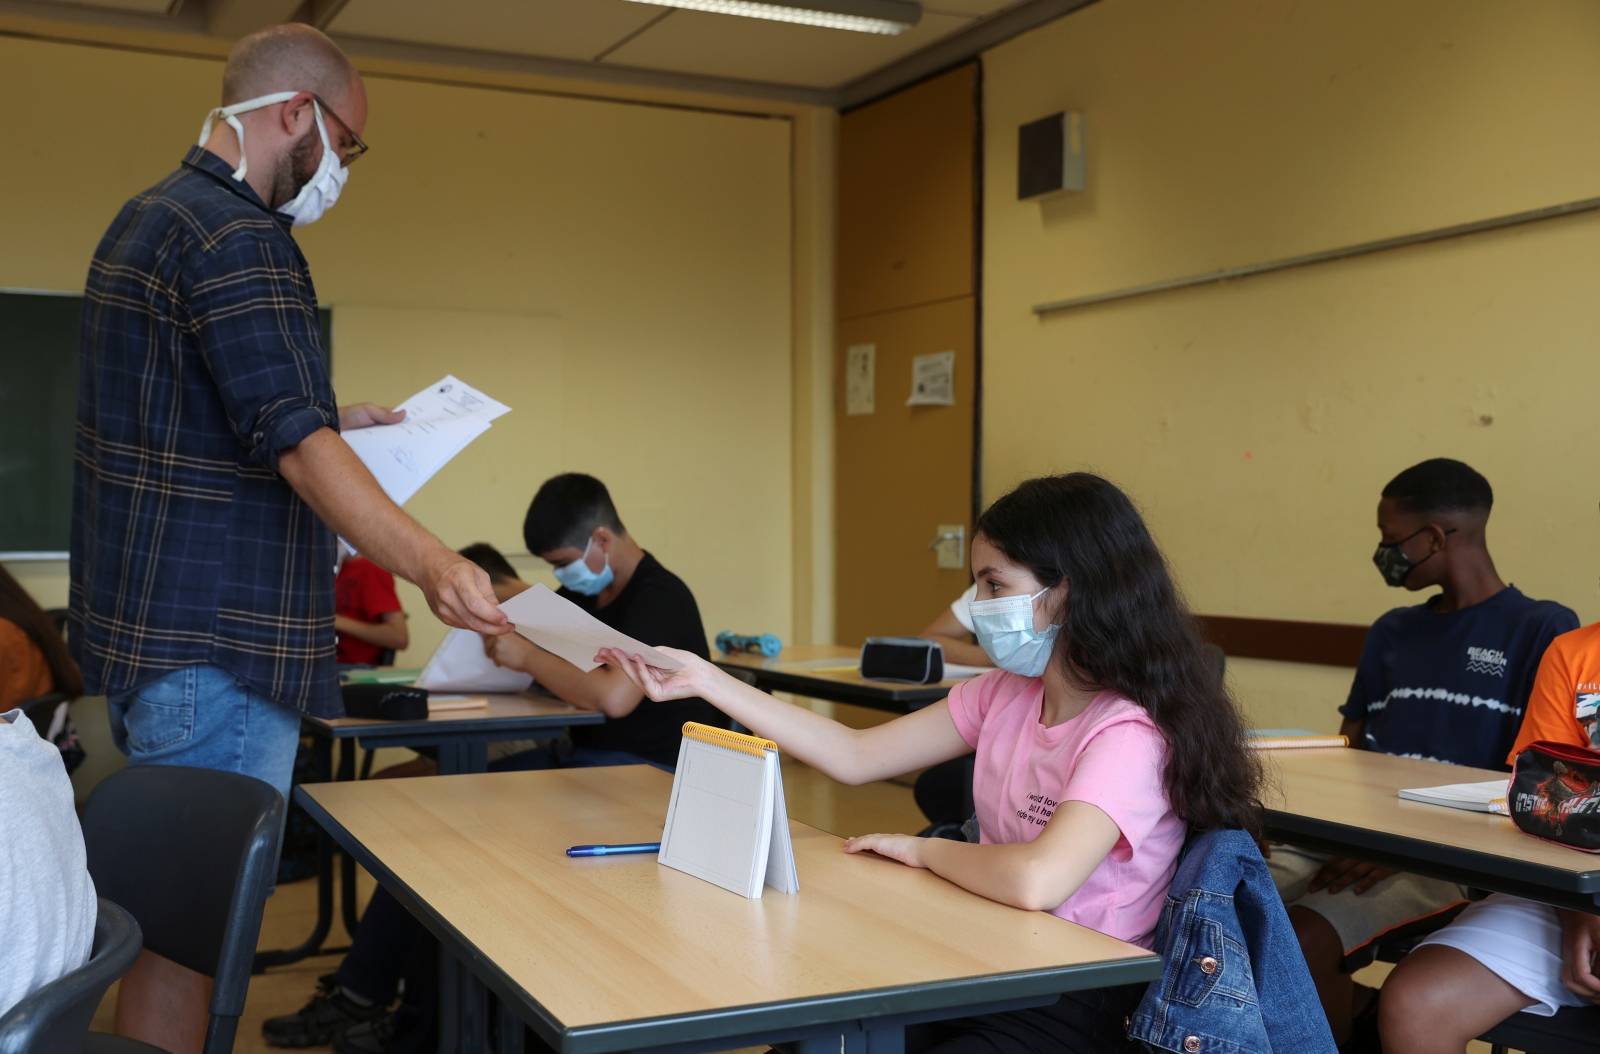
(1126, 629)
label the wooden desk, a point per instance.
(829, 671)
(600, 955)
(1344, 801)
(462, 739)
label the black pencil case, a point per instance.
(909, 659)
(385, 702)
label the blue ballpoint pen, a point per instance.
(631, 849)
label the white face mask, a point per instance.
(320, 191)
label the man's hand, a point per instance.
(364, 415)
(459, 592)
(1340, 872)
(1580, 953)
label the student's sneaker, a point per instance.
(317, 1023)
(370, 1037)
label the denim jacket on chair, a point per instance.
(1234, 980)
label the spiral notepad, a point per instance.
(727, 822)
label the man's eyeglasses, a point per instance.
(348, 154)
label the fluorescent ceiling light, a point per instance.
(887, 17)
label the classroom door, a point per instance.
(907, 290)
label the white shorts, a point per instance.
(1518, 941)
(1397, 902)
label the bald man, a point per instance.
(210, 476)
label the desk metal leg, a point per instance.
(511, 1031)
(458, 757)
(347, 866)
(449, 1002)
(323, 748)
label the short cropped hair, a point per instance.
(565, 512)
(491, 560)
(1440, 484)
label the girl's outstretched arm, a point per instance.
(849, 755)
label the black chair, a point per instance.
(191, 853)
(41, 710)
(1574, 1030)
(55, 1019)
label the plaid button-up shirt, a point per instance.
(200, 363)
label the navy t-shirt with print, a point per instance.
(1452, 687)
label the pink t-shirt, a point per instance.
(1110, 756)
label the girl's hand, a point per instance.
(694, 678)
(905, 848)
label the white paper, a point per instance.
(459, 664)
(563, 628)
(441, 421)
(954, 671)
(1488, 796)
(933, 380)
(861, 373)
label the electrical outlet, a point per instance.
(950, 546)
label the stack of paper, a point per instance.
(459, 664)
(563, 628)
(1488, 796)
(441, 420)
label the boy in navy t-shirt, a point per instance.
(1446, 680)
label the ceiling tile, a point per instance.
(775, 52)
(559, 29)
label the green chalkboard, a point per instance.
(38, 412)
(38, 405)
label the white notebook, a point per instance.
(1488, 796)
(459, 664)
(727, 822)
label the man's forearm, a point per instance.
(329, 477)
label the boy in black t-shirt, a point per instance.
(573, 526)
(1448, 680)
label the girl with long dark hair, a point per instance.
(1103, 737)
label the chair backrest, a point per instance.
(41, 710)
(191, 853)
(55, 1019)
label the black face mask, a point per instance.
(1394, 565)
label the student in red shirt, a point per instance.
(367, 613)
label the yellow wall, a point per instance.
(1255, 422)
(619, 274)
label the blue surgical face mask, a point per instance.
(1004, 628)
(577, 577)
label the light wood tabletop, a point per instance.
(831, 672)
(612, 953)
(1347, 800)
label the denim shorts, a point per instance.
(204, 717)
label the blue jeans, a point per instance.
(203, 717)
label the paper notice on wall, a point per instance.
(933, 380)
(861, 379)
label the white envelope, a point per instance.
(563, 628)
(460, 665)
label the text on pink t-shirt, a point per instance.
(1110, 756)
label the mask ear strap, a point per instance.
(230, 114)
